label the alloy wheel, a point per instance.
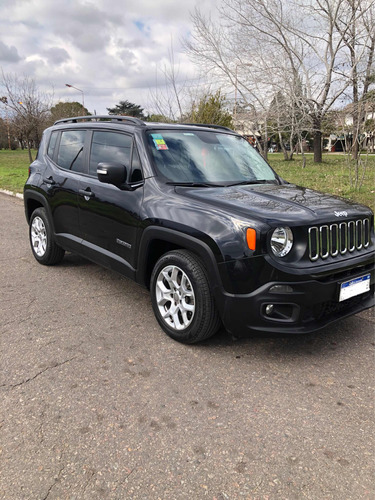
(175, 297)
(38, 236)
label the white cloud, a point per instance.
(110, 49)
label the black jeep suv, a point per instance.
(196, 215)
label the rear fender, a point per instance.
(33, 200)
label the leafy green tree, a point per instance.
(158, 118)
(67, 110)
(127, 108)
(211, 109)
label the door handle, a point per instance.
(86, 193)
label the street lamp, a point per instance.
(83, 96)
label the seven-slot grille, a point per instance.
(337, 239)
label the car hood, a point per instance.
(286, 202)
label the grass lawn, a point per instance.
(14, 167)
(331, 176)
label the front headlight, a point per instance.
(281, 241)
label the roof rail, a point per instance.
(220, 127)
(98, 118)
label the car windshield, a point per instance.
(204, 158)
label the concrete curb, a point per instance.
(10, 193)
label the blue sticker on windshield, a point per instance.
(159, 142)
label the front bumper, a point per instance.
(296, 307)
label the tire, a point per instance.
(182, 299)
(44, 249)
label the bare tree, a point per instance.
(171, 95)
(357, 163)
(28, 108)
(358, 33)
(290, 120)
(289, 45)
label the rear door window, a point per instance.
(70, 155)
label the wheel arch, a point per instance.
(156, 241)
(34, 200)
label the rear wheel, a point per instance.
(44, 249)
(182, 299)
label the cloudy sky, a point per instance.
(111, 49)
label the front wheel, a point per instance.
(182, 299)
(44, 249)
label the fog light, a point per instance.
(269, 309)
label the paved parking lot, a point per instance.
(98, 403)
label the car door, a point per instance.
(109, 217)
(66, 163)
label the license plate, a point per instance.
(354, 287)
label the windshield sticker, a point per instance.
(159, 142)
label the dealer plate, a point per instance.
(354, 287)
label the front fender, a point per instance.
(208, 253)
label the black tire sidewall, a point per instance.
(191, 266)
(53, 253)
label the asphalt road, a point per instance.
(97, 402)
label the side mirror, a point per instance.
(112, 173)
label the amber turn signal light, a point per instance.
(251, 238)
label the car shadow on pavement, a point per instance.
(74, 260)
(338, 337)
(349, 333)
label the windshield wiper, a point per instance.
(194, 184)
(244, 183)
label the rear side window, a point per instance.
(111, 147)
(52, 144)
(70, 155)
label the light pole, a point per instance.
(83, 96)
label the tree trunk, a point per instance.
(265, 150)
(283, 148)
(303, 154)
(317, 142)
(265, 141)
(29, 151)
